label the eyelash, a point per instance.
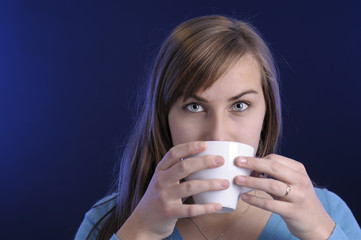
(188, 106)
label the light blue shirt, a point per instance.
(276, 229)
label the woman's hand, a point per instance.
(300, 208)
(161, 206)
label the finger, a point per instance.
(282, 208)
(267, 166)
(295, 165)
(181, 151)
(190, 188)
(184, 168)
(271, 186)
(193, 210)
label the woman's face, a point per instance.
(232, 109)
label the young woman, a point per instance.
(214, 79)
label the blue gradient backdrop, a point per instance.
(69, 72)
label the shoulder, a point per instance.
(104, 205)
(96, 216)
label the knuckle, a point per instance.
(309, 183)
(188, 187)
(209, 161)
(172, 153)
(192, 211)
(271, 156)
(274, 186)
(299, 197)
(183, 166)
(162, 197)
(274, 167)
(306, 183)
(268, 204)
(303, 180)
(168, 213)
(301, 167)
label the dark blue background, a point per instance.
(69, 72)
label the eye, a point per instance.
(194, 107)
(240, 106)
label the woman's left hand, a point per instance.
(300, 208)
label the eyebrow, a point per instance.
(238, 96)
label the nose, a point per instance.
(219, 128)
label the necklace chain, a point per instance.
(223, 232)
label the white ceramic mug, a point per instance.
(229, 151)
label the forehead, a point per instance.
(243, 75)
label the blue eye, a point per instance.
(194, 107)
(240, 106)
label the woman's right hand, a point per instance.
(161, 206)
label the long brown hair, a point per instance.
(191, 59)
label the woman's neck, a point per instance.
(245, 218)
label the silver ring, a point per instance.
(288, 190)
(181, 159)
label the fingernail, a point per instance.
(244, 196)
(201, 145)
(241, 179)
(241, 160)
(218, 160)
(218, 207)
(224, 184)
